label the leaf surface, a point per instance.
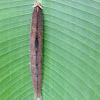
(71, 50)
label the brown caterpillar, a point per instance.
(36, 49)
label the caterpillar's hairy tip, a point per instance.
(37, 4)
(38, 99)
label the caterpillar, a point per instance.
(36, 49)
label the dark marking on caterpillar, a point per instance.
(36, 42)
(36, 49)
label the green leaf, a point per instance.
(71, 50)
